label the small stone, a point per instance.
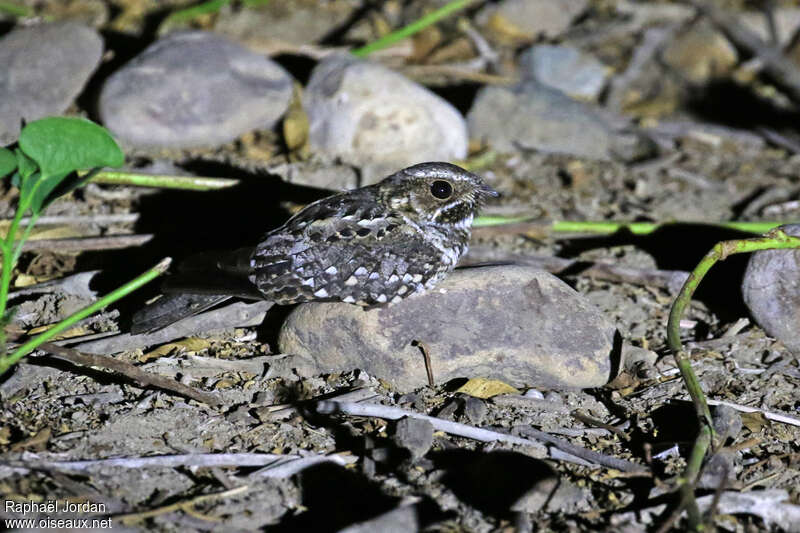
(42, 69)
(727, 423)
(414, 435)
(568, 69)
(532, 19)
(448, 412)
(532, 116)
(281, 22)
(553, 396)
(193, 89)
(512, 323)
(403, 519)
(317, 173)
(475, 410)
(771, 290)
(718, 471)
(533, 393)
(701, 54)
(369, 115)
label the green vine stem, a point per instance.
(163, 181)
(645, 228)
(416, 26)
(607, 228)
(775, 239)
(26, 348)
(687, 481)
(10, 256)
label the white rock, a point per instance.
(367, 114)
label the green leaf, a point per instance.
(8, 162)
(41, 194)
(61, 145)
(25, 165)
(26, 190)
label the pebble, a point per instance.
(771, 290)
(532, 116)
(727, 423)
(402, 519)
(513, 323)
(568, 69)
(532, 19)
(371, 116)
(701, 54)
(281, 22)
(38, 78)
(719, 470)
(475, 410)
(193, 89)
(414, 435)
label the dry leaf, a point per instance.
(486, 388)
(35, 444)
(190, 345)
(755, 422)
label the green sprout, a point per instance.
(43, 166)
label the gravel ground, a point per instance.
(404, 475)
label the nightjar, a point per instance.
(369, 246)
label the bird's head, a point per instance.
(435, 193)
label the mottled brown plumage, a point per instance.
(370, 246)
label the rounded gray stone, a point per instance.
(367, 114)
(565, 68)
(513, 323)
(531, 115)
(42, 69)
(771, 290)
(193, 89)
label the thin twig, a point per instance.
(769, 415)
(78, 220)
(181, 505)
(574, 454)
(590, 421)
(196, 460)
(146, 379)
(426, 355)
(87, 244)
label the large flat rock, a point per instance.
(514, 323)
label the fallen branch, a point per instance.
(197, 460)
(145, 379)
(573, 453)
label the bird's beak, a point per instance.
(485, 190)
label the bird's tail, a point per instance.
(202, 282)
(172, 307)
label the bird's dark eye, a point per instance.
(441, 189)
